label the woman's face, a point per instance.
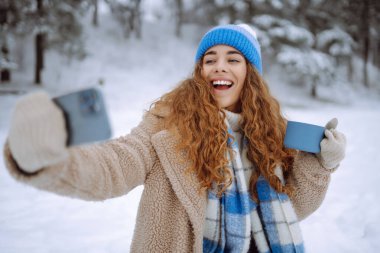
(225, 69)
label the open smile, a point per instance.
(222, 84)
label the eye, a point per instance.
(208, 61)
(234, 60)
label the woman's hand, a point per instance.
(333, 146)
(37, 135)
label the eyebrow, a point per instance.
(229, 52)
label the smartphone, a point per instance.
(86, 116)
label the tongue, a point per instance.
(222, 87)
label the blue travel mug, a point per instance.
(303, 136)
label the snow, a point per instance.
(134, 73)
(311, 63)
(337, 41)
(277, 4)
(5, 64)
(293, 34)
(266, 21)
(294, 3)
(281, 28)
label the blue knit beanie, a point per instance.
(242, 37)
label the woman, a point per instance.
(209, 153)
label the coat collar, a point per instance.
(185, 185)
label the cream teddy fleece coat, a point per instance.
(172, 210)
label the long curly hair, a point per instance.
(194, 117)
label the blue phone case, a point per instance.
(86, 116)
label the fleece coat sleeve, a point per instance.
(310, 181)
(97, 171)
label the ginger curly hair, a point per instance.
(198, 123)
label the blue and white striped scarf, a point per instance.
(235, 220)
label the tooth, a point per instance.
(222, 82)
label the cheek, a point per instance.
(204, 72)
(241, 79)
(244, 74)
(238, 92)
(241, 84)
(240, 73)
(241, 90)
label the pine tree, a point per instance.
(128, 14)
(5, 64)
(54, 24)
(317, 29)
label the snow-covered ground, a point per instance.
(134, 74)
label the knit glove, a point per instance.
(37, 136)
(333, 146)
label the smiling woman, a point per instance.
(210, 155)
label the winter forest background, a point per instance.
(315, 42)
(321, 59)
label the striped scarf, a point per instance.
(235, 223)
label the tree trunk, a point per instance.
(179, 17)
(95, 14)
(365, 61)
(39, 42)
(138, 19)
(232, 13)
(5, 74)
(350, 70)
(250, 11)
(366, 42)
(376, 60)
(314, 88)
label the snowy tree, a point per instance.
(128, 14)
(312, 67)
(362, 21)
(179, 14)
(54, 24)
(213, 12)
(205, 12)
(6, 62)
(292, 47)
(95, 18)
(338, 44)
(307, 25)
(182, 12)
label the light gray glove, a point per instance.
(333, 146)
(37, 135)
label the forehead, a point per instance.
(222, 49)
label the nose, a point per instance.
(220, 66)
